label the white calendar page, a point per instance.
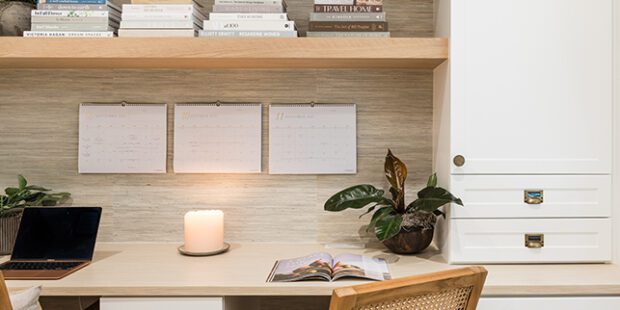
(122, 138)
(218, 138)
(312, 139)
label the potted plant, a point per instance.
(403, 228)
(13, 203)
(15, 16)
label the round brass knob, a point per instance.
(459, 160)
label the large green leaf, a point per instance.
(432, 180)
(355, 197)
(379, 214)
(388, 226)
(22, 181)
(432, 198)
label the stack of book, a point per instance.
(348, 18)
(249, 18)
(161, 18)
(74, 18)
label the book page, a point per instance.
(312, 139)
(353, 265)
(313, 266)
(218, 138)
(122, 138)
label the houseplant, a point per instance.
(15, 16)
(13, 202)
(404, 229)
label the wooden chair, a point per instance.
(457, 289)
(5, 301)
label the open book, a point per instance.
(324, 267)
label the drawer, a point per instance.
(546, 303)
(504, 240)
(504, 196)
(161, 303)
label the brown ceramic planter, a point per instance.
(8, 233)
(410, 241)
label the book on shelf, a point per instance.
(328, 17)
(263, 25)
(348, 26)
(72, 6)
(250, 2)
(237, 8)
(335, 2)
(101, 2)
(325, 267)
(247, 33)
(68, 34)
(347, 34)
(149, 33)
(322, 8)
(69, 17)
(72, 27)
(248, 16)
(161, 24)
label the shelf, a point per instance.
(202, 53)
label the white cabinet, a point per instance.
(532, 86)
(161, 303)
(523, 108)
(546, 303)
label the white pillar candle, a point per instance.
(204, 231)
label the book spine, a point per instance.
(348, 26)
(156, 33)
(335, 2)
(154, 8)
(249, 25)
(344, 34)
(225, 8)
(69, 20)
(74, 1)
(342, 17)
(234, 33)
(68, 6)
(69, 34)
(318, 8)
(249, 2)
(247, 16)
(70, 27)
(157, 17)
(368, 2)
(68, 13)
(130, 24)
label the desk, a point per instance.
(129, 270)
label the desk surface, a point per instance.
(158, 270)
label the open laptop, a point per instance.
(53, 242)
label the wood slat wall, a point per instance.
(38, 138)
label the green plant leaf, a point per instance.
(372, 208)
(432, 198)
(37, 188)
(439, 213)
(355, 197)
(11, 191)
(21, 181)
(378, 215)
(432, 180)
(395, 171)
(388, 226)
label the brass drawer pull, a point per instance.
(534, 241)
(533, 196)
(459, 160)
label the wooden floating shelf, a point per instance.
(203, 53)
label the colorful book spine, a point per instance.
(348, 26)
(68, 13)
(254, 34)
(68, 34)
(319, 8)
(342, 17)
(249, 25)
(74, 1)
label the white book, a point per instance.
(135, 24)
(262, 25)
(71, 27)
(156, 33)
(347, 17)
(241, 8)
(69, 34)
(251, 2)
(68, 13)
(157, 17)
(248, 16)
(158, 8)
(251, 34)
(334, 2)
(332, 34)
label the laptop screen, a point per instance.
(57, 233)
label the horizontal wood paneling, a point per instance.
(39, 121)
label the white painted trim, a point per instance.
(616, 126)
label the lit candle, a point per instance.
(204, 231)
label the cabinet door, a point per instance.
(162, 303)
(531, 86)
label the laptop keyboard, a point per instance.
(39, 265)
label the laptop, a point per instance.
(53, 242)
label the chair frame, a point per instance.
(348, 298)
(5, 300)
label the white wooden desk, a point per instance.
(149, 270)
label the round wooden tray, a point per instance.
(216, 252)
